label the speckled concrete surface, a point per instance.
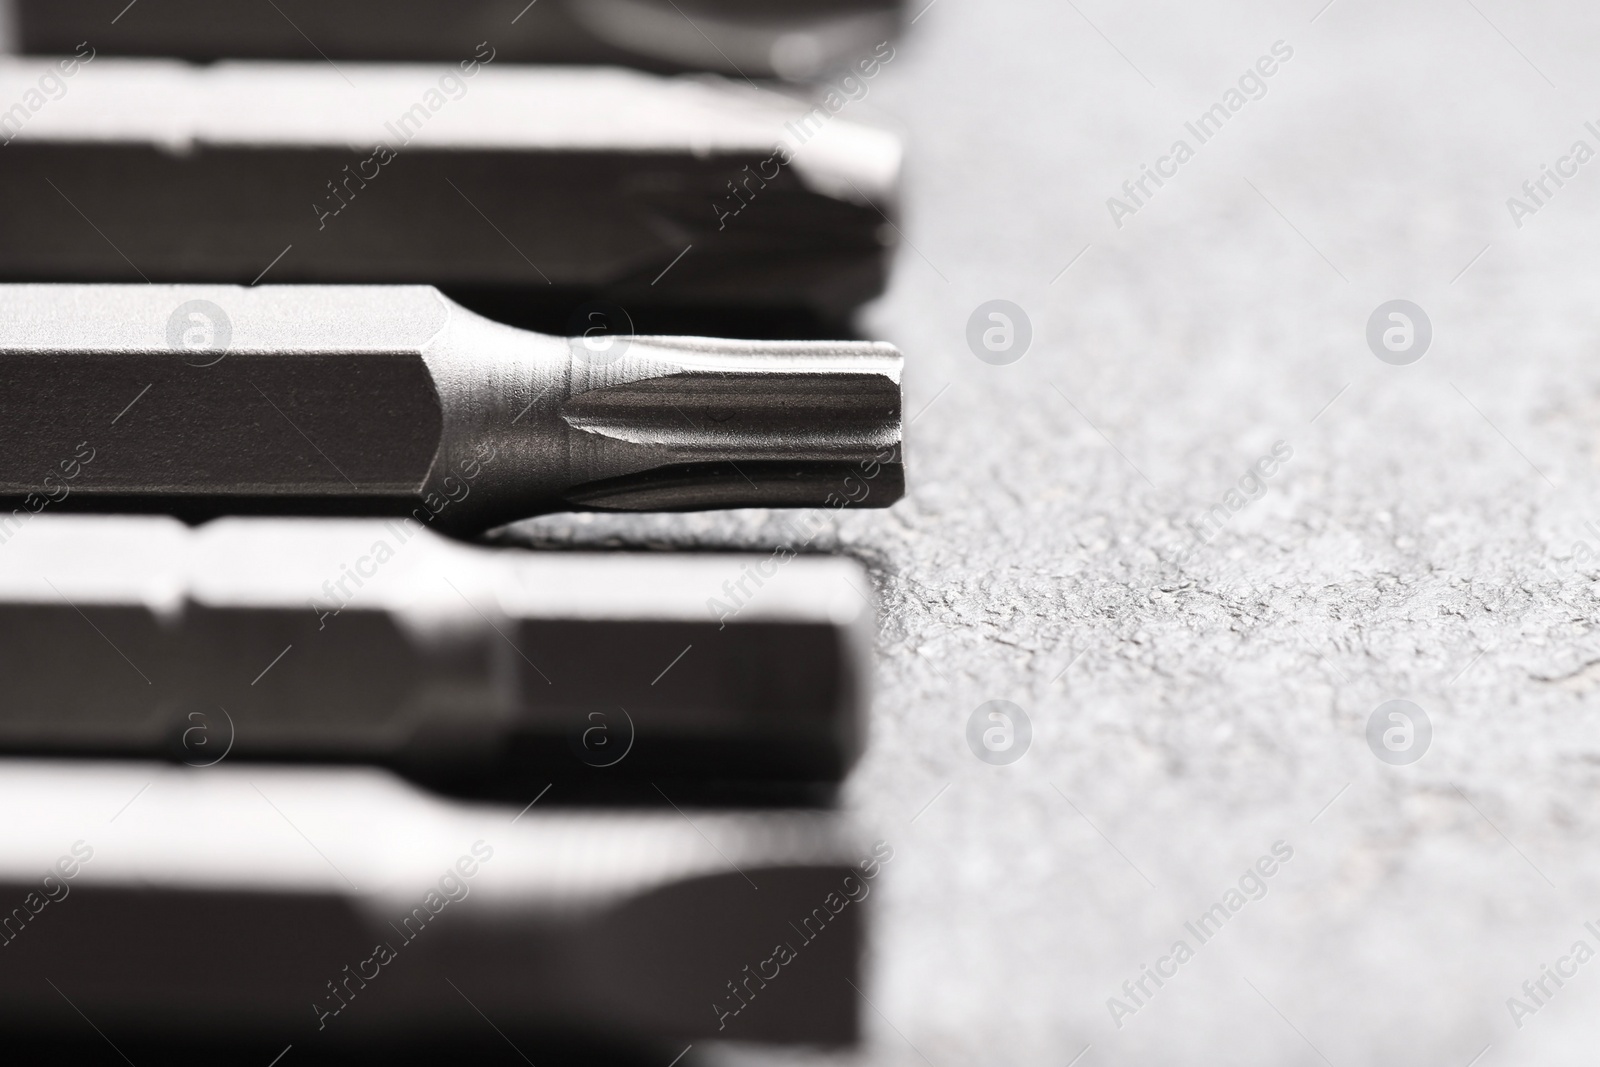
(1188, 714)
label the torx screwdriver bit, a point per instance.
(390, 400)
(470, 669)
(326, 907)
(634, 187)
(755, 38)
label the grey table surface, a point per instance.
(1192, 704)
(1189, 710)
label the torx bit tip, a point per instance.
(392, 400)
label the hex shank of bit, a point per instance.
(465, 668)
(324, 906)
(737, 37)
(572, 180)
(376, 400)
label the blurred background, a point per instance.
(1198, 651)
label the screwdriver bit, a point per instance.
(318, 906)
(606, 182)
(390, 400)
(469, 669)
(755, 38)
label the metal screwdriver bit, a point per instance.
(758, 38)
(641, 189)
(469, 669)
(325, 907)
(377, 400)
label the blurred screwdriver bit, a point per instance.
(322, 906)
(593, 181)
(754, 38)
(390, 400)
(469, 669)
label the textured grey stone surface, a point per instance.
(1186, 716)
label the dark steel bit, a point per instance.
(379, 400)
(469, 669)
(755, 38)
(320, 907)
(641, 189)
